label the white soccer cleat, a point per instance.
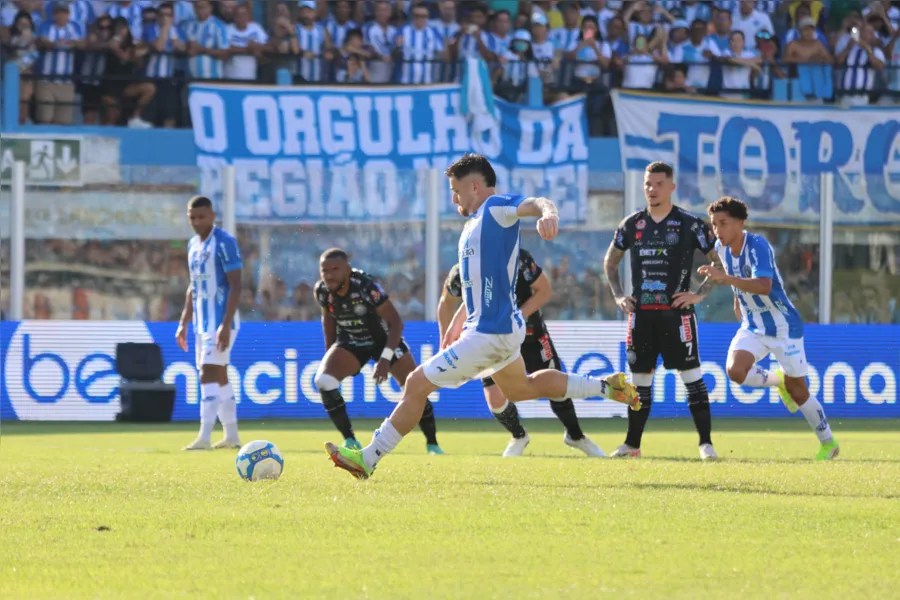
(227, 443)
(585, 445)
(198, 444)
(626, 451)
(707, 452)
(516, 446)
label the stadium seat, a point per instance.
(145, 398)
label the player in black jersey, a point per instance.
(533, 290)
(360, 324)
(661, 320)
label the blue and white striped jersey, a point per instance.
(310, 39)
(80, 11)
(447, 31)
(9, 11)
(383, 40)
(133, 13)
(160, 66)
(338, 31)
(209, 260)
(772, 315)
(57, 64)
(420, 54)
(184, 12)
(488, 263)
(208, 34)
(565, 39)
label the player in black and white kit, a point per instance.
(533, 290)
(662, 239)
(360, 324)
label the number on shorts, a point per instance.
(690, 348)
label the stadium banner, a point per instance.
(314, 154)
(770, 155)
(65, 371)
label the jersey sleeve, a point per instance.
(503, 208)
(373, 293)
(704, 240)
(453, 282)
(321, 294)
(228, 252)
(530, 269)
(621, 238)
(762, 262)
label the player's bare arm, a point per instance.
(761, 286)
(389, 314)
(186, 314)
(541, 290)
(223, 335)
(611, 268)
(737, 309)
(456, 326)
(447, 306)
(547, 213)
(686, 299)
(329, 329)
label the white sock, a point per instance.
(384, 440)
(815, 416)
(228, 411)
(498, 411)
(209, 407)
(759, 377)
(581, 386)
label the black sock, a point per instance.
(509, 418)
(427, 424)
(337, 410)
(698, 402)
(565, 412)
(637, 419)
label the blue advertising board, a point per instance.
(65, 370)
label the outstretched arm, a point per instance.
(545, 209)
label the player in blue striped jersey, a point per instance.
(769, 322)
(214, 261)
(494, 329)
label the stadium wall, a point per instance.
(65, 370)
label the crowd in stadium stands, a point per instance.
(128, 62)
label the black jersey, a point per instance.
(662, 254)
(528, 272)
(358, 324)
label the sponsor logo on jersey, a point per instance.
(653, 286)
(654, 252)
(640, 225)
(488, 290)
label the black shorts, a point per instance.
(366, 353)
(671, 333)
(538, 353)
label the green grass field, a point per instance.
(112, 511)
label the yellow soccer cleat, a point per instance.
(619, 389)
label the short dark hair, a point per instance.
(733, 207)
(355, 32)
(200, 202)
(333, 253)
(473, 163)
(661, 167)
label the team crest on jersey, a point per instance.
(672, 238)
(640, 225)
(360, 309)
(746, 271)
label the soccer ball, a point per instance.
(259, 459)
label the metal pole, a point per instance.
(826, 246)
(229, 199)
(10, 96)
(17, 244)
(432, 245)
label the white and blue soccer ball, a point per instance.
(259, 459)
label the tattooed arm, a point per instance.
(686, 299)
(611, 268)
(707, 284)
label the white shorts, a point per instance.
(208, 354)
(790, 353)
(473, 356)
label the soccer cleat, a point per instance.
(226, 443)
(516, 446)
(707, 452)
(198, 444)
(620, 390)
(348, 459)
(626, 451)
(828, 451)
(433, 449)
(585, 445)
(352, 443)
(785, 395)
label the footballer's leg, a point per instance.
(642, 350)
(508, 415)
(211, 378)
(337, 364)
(746, 350)
(400, 370)
(227, 410)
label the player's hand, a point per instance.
(223, 337)
(685, 299)
(181, 337)
(713, 272)
(382, 369)
(548, 226)
(626, 303)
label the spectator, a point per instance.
(226, 11)
(599, 10)
(566, 37)
(719, 41)
(893, 76)
(339, 23)
(183, 12)
(382, 37)
(283, 42)
(23, 43)
(132, 13)
(741, 63)
(862, 61)
(162, 40)
(880, 23)
(10, 12)
(692, 10)
(751, 21)
(93, 67)
(693, 54)
(678, 41)
(639, 17)
(802, 11)
(499, 37)
(592, 55)
(82, 13)
(352, 59)
(421, 47)
(884, 8)
(247, 40)
(675, 81)
(542, 49)
(471, 42)
(511, 80)
(641, 65)
(207, 43)
(122, 57)
(55, 92)
(807, 48)
(314, 44)
(769, 67)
